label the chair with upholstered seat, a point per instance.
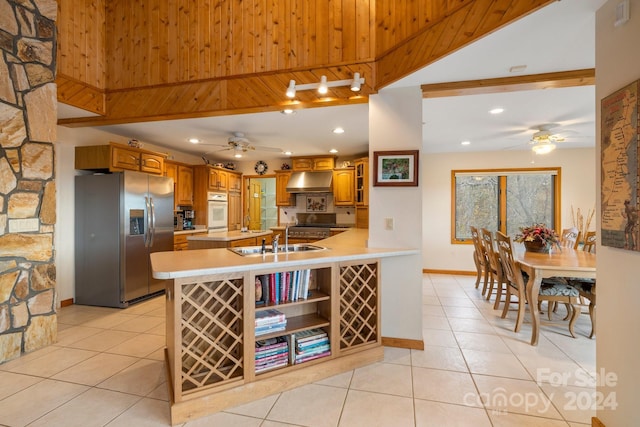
(552, 292)
(587, 287)
(479, 259)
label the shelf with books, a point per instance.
(297, 324)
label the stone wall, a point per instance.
(27, 177)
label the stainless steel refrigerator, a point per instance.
(120, 218)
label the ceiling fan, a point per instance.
(240, 144)
(544, 141)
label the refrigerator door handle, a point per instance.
(147, 232)
(152, 229)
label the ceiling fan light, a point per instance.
(543, 148)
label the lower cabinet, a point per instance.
(237, 337)
(180, 242)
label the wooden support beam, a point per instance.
(556, 80)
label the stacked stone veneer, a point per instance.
(27, 186)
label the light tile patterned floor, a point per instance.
(107, 370)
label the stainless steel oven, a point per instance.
(217, 211)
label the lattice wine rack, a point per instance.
(359, 302)
(212, 333)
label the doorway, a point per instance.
(260, 202)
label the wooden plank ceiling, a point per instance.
(158, 59)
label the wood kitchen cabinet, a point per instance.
(362, 181)
(283, 198)
(117, 157)
(234, 217)
(184, 194)
(183, 183)
(218, 180)
(313, 163)
(234, 181)
(343, 187)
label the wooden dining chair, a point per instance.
(589, 242)
(569, 238)
(587, 287)
(479, 259)
(514, 280)
(495, 267)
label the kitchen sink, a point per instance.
(257, 250)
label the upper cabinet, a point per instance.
(313, 163)
(283, 198)
(184, 188)
(343, 187)
(117, 157)
(182, 182)
(218, 180)
(362, 181)
(234, 181)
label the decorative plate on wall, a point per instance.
(260, 167)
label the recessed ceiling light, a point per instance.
(194, 140)
(497, 110)
(333, 151)
(237, 155)
(466, 143)
(288, 111)
(338, 130)
(517, 68)
(288, 153)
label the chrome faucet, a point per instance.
(274, 244)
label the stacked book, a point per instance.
(269, 321)
(310, 344)
(271, 353)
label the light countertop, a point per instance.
(227, 236)
(197, 230)
(350, 245)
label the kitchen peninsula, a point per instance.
(213, 310)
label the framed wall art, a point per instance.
(395, 168)
(620, 172)
(316, 204)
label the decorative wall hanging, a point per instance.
(620, 172)
(395, 168)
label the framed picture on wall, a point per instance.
(395, 168)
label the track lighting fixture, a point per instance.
(291, 90)
(324, 85)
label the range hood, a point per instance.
(310, 182)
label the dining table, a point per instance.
(559, 262)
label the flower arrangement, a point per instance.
(538, 233)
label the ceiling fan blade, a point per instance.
(272, 149)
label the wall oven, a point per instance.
(217, 208)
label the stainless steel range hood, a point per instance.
(310, 182)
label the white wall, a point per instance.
(395, 123)
(438, 253)
(68, 138)
(617, 65)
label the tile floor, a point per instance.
(107, 370)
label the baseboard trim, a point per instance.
(403, 343)
(66, 302)
(456, 272)
(595, 422)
